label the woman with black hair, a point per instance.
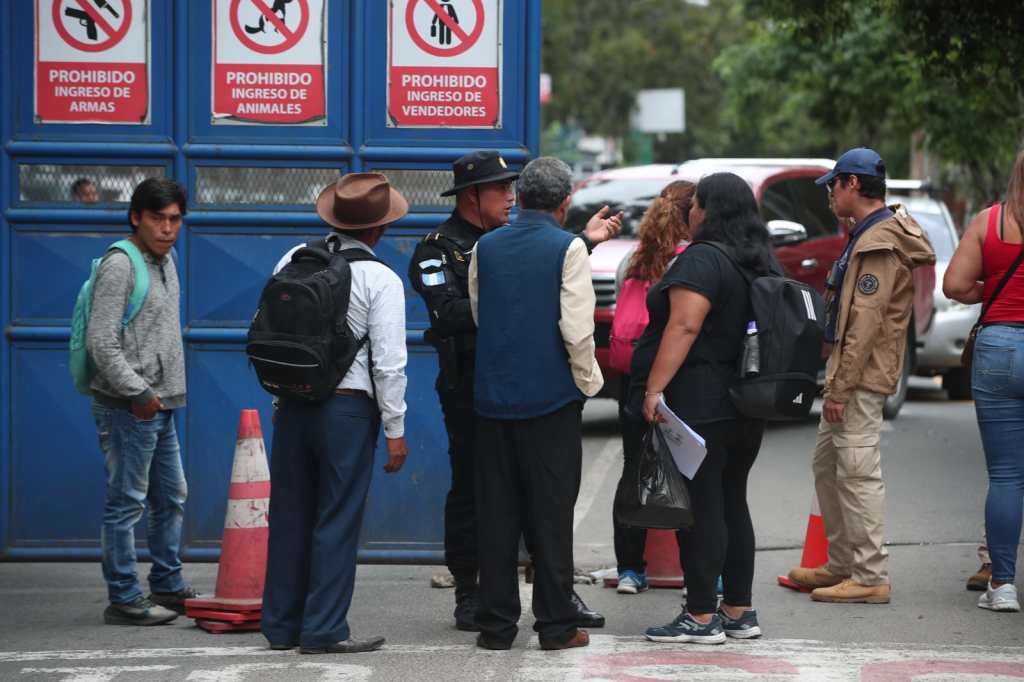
(689, 356)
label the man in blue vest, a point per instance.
(531, 295)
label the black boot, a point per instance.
(465, 604)
(585, 616)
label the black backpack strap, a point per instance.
(724, 249)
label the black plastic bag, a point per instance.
(661, 497)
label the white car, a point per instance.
(939, 347)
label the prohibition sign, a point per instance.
(467, 40)
(290, 37)
(114, 35)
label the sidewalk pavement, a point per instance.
(52, 629)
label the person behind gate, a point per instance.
(139, 383)
(322, 453)
(868, 304)
(531, 294)
(438, 271)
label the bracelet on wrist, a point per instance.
(650, 393)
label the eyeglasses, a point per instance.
(830, 185)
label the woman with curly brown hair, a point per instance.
(664, 232)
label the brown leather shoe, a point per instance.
(852, 592)
(581, 638)
(979, 581)
(812, 578)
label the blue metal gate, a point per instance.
(250, 189)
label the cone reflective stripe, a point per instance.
(243, 554)
(815, 546)
(661, 552)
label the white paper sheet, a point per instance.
(687, 447)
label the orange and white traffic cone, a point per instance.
(238, 598)
(815, 546)
(661, 553)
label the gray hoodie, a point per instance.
(147, 357)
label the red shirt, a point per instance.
(996, 258)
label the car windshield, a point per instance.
(933, 221)
(632, 197)
(935, 226)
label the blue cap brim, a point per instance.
(826, 178)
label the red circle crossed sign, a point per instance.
(466, 41)
(290, 37)
(96, 19)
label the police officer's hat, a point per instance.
(477, 168)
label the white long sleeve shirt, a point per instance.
(376, 305)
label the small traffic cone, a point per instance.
(815, 546)
(662, 555)
(238, 598)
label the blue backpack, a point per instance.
(82, 368)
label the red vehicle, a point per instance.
(807, 236)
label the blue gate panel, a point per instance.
(250, 188)
(65, 256)
(220, 386)
(227, 271)
(57, 466)
(405, 511)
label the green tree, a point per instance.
(600, 53)
(876, 69)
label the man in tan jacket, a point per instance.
(868, 309)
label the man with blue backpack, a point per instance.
(127, 353)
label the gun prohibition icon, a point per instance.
(84, 19)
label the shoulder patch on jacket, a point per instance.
(867, 284)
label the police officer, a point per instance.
(439, 270)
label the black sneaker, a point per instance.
(175, 601)
(685, 628)
(744, 627)
(142, 611)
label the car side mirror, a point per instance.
(786, 232)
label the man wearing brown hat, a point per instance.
(439, 272)
(322, 454)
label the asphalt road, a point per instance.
(51, 627)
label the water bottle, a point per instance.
(751, 351)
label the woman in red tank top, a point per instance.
(986, 268)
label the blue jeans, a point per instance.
(320, 469)
(998, 386)
(143, 465)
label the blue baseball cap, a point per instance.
(858, 161)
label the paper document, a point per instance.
(687, 447)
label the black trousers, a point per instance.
(528, 477)
(630, 542)
(721, 541)
(460, 553)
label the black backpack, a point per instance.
(300, 343)
(790, 319)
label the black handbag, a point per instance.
(967, 356)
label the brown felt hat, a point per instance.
(358, 201)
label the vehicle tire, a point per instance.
(894, 402)
(957, 383)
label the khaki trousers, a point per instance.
(848, 479)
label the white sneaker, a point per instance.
(1002, 598)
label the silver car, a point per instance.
(939, 348)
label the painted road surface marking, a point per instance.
(629, 659)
